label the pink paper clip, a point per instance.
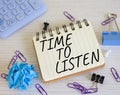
(3, 75)
(40, 89)
(20, 56)
(115, 74)
(13, 60)
(69, 16)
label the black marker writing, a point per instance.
(71, 63)
(68, 39)
(94, 56)
(50, 42)
(85, 58)
(59, 52)
(43, 41)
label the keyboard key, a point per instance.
(34, 3)
(11, 21)
(12, 5)
(28, 11)
(19, 1)
(16, 11)
(7, 1)
(3, 11)
(24, 6)
(1, 16)
(20, 16)
(1, 4)
(7, 16)
(1, 21)
(3, 27)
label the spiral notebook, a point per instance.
(67, 51)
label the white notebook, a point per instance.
(67, 50)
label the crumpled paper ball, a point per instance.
(21, 75)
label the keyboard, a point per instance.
(14, 14)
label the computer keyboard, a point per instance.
(15, 14)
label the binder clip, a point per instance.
(96, 78)
(93, 89)
(113, 37)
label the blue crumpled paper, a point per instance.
(21, 75)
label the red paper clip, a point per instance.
(69, 16)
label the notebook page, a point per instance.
(68, 53)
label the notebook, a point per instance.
(67, 51)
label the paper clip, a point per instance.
(40, 89)
(113, 37)
(108, 20)
(81, 88)
(20, 56)
(13, 60)
(115, 74)
(90, 90)
(76, 85)
(69, 16)
(15, 57)
(3, 75)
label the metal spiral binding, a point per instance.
(37, 36)
(57, 30)
(43, 34)
(64, 27)
(85, 21)
(79, 24)
(72, 26)
(50, 32)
